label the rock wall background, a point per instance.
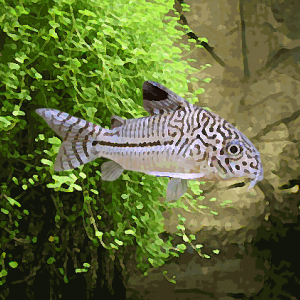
(254, 52)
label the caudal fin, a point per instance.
(78, 136)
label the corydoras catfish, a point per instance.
(178, 140)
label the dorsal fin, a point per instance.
(158, 99)
(116, 121)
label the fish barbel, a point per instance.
(179, 140)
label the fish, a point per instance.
(177, 140)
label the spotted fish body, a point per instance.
(178, 140)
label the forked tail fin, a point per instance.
(78, 136)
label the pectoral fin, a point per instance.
(111, 171)
(176, 188)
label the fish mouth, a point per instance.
(221, 175)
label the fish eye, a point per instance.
(234, 149)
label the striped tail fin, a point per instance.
(78, 136)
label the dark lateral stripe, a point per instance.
(117, 145)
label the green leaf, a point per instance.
(129, 231)
(53, 34)
(192, 237)
(90, 111)
(82, 175)
(18, 113)
(113, 246)
(185, 238)
(76, 187)
(54, 140)
(13, 66)
(119, 62)
(99, 233)
(61, 270)
(87, 13)
(46, 162)
(194, 185)
(180, 227)
(53, 24)
(5, 121)
(181, 247)
(20, 57)
(180, 218)
(120, 243)
(159, 242)
(13, 264)
(81, 270)
(12, 201)
(214, 213)
(5, 211)
(51, 260)
(15, 180)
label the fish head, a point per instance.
(237, 157)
